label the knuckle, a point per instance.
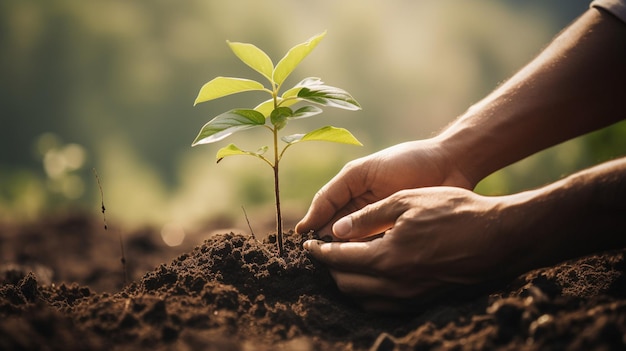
(402, 196)
(320, 193)
(399, 202)
(350, 165)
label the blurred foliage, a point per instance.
(110, 85)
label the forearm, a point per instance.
(578, 215)
(576, 85)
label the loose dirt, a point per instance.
(62, 287)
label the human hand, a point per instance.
(373, 178)
(435, 239)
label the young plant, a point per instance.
(274, 113)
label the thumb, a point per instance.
(371, 220)
(328, 204)
(323, 207)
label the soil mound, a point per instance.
(233, 293)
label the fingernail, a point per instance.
(343, 227)
(298, 230)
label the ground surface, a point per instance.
(61, 287)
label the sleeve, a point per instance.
(616, 7)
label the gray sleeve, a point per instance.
(616, 7)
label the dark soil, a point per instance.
(61, 288)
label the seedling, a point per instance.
(274, 113)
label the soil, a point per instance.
(62, 287)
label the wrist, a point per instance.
(575, 216)
(519, 220)
(466, 151)
(445, 166)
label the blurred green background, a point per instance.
(110, 85)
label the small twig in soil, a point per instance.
(104, 215)
(248, 221)
(106, 228)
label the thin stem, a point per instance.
(262, 158)
(279, 218)
(284, 149)
(106, 228)
(248, 221)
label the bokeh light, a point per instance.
(110, 85)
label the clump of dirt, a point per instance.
(233, 292)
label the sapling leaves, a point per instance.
(233, 150)
(326, 95)
(266, 107)
(223, 86)
(279, 116)
(306, 111)
(327, 133)
(278, 109)
(254, 57)
(229, 150)
(228, 123)
(314, 90)
(293, 58)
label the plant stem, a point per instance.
(279, 219)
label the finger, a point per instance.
(325, 229)
(371, 220)
(334, 198)
(360, 257)
(326, 203)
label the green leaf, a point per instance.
(293, 58)
(261, 150)
(229, 150)
(228, 123)
(233, 150)
(328, 133)
(306, 111)
(279, 116)
(222, 86)
(293, 92)
(290, 139)
(314, 90)
(308, 82)
(254, 57)
(266, 107)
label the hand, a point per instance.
(373, 178)
(435, 239)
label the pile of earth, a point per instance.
(62, 287)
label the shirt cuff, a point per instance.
(616, 7)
